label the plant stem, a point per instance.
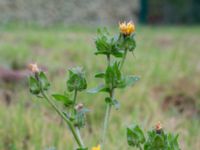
(106, 120)
(77, 128)
(123, 59)
(75, 95)
(109, 106)
(108, 60)
(79, 135)
(78, 140)
(140, 147)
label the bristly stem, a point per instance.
(108, 59)
(79, 135)
(75, 96)
(106, 120)
(77, 128)
(108, 105)
(65, 119)
(123, 59)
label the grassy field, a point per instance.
(166, 58)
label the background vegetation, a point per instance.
(166, 58)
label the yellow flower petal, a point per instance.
(127, 28)
(97, 148)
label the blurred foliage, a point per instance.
(165, 57)
(52, 12)
(173, 11)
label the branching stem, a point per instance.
(71, 126)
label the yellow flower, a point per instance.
(127, 28)
(97, 148)
(34, 68)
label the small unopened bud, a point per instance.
(158, 127)
(79, 106)
(34, 68)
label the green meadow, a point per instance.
(167, 59)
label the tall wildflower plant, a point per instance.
(73, 112)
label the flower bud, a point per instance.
(158, 127)
(34, 68)
(79, 106)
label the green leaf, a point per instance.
(100, 88)
(113, 75)
(116, 104)
(158, 142)
(135, 136)
(173, 142)
(100, 75)
(127, 81)
(82, 149)
(118, 53)
(33, 85)
(44, 81)
(63, 98)
(107, 45)
(108, 100)
(76, 80)
(161, 141)
(113, 102)
(132, 80)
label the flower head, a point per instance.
(79, 106)
(34, 68)
(127, 28)
(96, 148)
(158, 126)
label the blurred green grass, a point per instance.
(164, 57)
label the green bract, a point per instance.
(80, 117)
(76, 80)
(38, 83)
(34, 86)
(107, 45)
(126, 42)
(156, 140)
(135, 136)
(161, 141)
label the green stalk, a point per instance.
(75, 95)
(106, 120)
(109, 106)
(79, 135)
(65, 119)
(107, 116)
(108, 60)
(123, 59)
(77, 128)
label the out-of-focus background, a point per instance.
(59, 34)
